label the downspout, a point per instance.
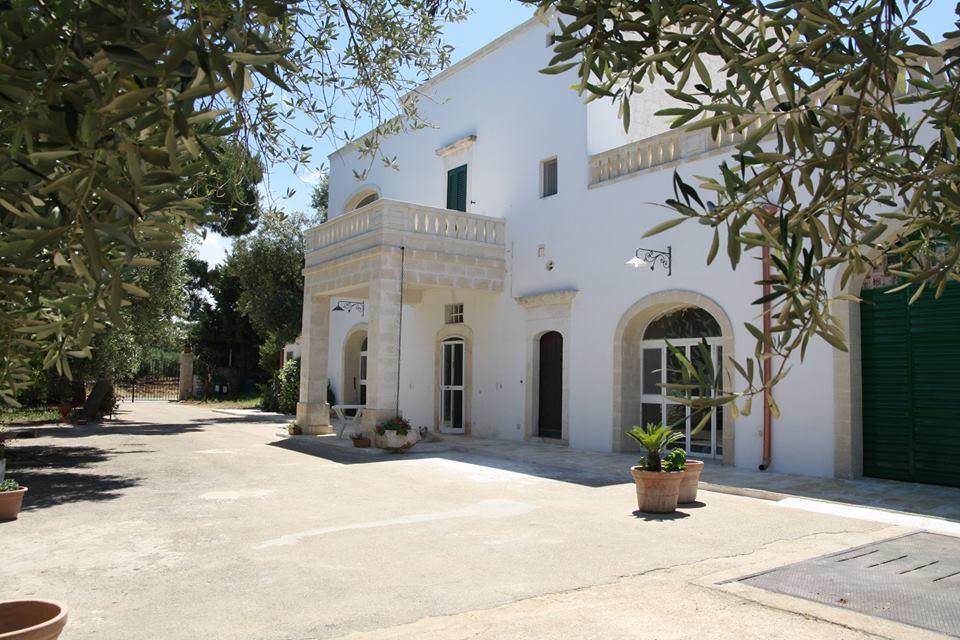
(767, 362)
(400, 325)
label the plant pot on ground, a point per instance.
(293, 429)
(657, 480)
(11, 499)
(359, 440)
(691, 481)
(32, 619)
(395, 435)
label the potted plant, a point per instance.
(11, 498)
(293, 429)
(691, 476)
(32, 619)
(360, 440)
(658, 481)
(395, 435)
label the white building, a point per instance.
(505, 233)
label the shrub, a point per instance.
(9, 485)
(397, 424)
(288, 393)
(270, 390)
(676, 460)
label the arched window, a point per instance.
(362, 198)
(685, 329)
(367, 199)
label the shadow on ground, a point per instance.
(48, 473)
(345, 455)
(49, 489)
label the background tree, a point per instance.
(833, 175)
(111, 114)
(320, 198)
(221, 336)
(269, 269)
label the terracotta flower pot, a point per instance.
(361, 443)
(64, 409)
(691, 479)
(657, 491)
(31, 619)
(10, 502)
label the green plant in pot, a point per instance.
(360, 440)
(395, 435)
(11, 499)
(657, 479)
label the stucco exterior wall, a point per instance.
(584, 234)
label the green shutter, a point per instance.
(910, 365)
(457, 188)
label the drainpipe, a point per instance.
(767, 362)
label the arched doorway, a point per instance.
(641, 361)
(550, 398)
(686, 329)
(355, 366)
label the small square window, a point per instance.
(453, 313)
(548, 177)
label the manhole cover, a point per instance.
(914, 579)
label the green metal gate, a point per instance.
(911, 386)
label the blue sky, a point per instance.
(490, 19)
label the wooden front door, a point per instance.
(550, 418)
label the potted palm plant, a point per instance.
(11, 499)
(657, 480)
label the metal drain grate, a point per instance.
(914, 579)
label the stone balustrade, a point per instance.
(663, 149)
(407, 218)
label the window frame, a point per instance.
(544, 164)
(453, 313)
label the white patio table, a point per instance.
(345, 420)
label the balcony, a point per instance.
(661, 151)
(441, 248)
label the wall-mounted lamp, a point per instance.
(651, 257)
(350, 306)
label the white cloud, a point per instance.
(214, 248)
(311, 178)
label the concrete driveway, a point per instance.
(181, 522)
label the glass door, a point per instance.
(451, 386)
(661, 366)
(363, 372)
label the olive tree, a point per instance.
(848, 115)
(112, 113)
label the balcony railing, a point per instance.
(393, 215)
(662, 149)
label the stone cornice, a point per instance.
(563, 296)
(459, 145)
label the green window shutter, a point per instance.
(457, 188)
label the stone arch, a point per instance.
(352, 346)
(465, 333)
(361, 196)
(847, 381)
(627, 352)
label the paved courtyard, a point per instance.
(180, 522)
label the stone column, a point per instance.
(186, 373)
(383, 335)
(313, 412)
